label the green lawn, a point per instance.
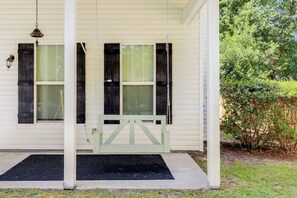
(251, 180)
(239, 179)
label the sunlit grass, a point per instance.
(239, 179)
(253, 180)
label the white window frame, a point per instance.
(137, 83)
(36, 83)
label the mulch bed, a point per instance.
(234, 151)
(230, 152)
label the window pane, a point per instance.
(50, 102)
(138, 63)
(138, 100)
(50, 63)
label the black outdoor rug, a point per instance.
(90, 167)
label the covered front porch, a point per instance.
(213, 132)
(94, 35)
(186, 174)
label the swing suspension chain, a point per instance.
(168, 70)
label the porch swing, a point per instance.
(105, 146)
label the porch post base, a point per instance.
(214, 187)
(68, 187)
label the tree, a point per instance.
(258, 39)
(284, 32)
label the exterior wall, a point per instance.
(204, 63)
(130, 22)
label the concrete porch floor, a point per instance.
(187, 174)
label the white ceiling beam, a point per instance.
(190, 11)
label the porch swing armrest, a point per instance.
(165, 132)
(98, 139)
(94, 131)
(165, 140)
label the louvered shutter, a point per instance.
(161, 80)
(112, 80)
(26, 84)
(81, 78)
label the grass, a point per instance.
(254, 180)
(239, 179)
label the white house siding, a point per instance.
(204, 63)
(118, 21)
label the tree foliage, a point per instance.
(260, 113)
(259, 44)
(258, 39)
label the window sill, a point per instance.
(50, 122)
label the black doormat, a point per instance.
(90, 167)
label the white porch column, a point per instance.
(213, 96)
(70, 95)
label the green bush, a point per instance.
(260, 113)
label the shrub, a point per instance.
(260, 113)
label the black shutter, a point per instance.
(26, 84)
(81, 79)
(111, 80)
(161, 78)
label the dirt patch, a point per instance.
(231, 152)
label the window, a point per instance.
(40, 83)
(137, 79)
(50, 82)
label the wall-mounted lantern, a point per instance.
(9, 61)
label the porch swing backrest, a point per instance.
(101, 146)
